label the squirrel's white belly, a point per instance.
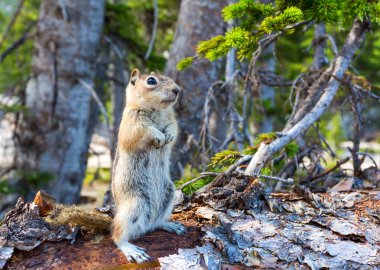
(144, 176)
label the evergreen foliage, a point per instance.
(191, 188)
(185, 63)
(278, 23)
(129, 23)
(255, 20)
(224, 158)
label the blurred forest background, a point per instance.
(64, 67)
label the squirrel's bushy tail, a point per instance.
(84, 218)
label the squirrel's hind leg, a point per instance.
(126, 227)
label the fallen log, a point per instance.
(301, 230)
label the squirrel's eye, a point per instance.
(151, 81)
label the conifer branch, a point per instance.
(339, 66)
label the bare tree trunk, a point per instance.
(320, 59)
(268, 92)
(118, 86)
(338, 68)
(54, 135)
(198, 20)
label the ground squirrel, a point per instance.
(141, 184)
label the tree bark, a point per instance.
(320, 59)
(54, 135)
(338, 68)
(198, 20)
(118, 86)
(268, 92)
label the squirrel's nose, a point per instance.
(176, 90)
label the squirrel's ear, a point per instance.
(135, 75)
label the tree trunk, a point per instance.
(267, 93)
(54, 135)
(117, 95)
(198, 20)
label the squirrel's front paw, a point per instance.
(169, 138)
(159, 140)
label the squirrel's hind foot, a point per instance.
(135, 253)
(174, 227)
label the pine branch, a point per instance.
(266, 151)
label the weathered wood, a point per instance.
(24, 229)
(26, 241)
(312, 231)
(99, 252)
(301, 230)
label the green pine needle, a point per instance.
(185, 63)
(290, 15)
(291, 149)
(224, 158)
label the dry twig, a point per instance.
(338, 164)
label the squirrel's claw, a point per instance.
(174, 227)
(135, 253)
(169, 138)
(159, 141)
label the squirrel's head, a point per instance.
(151, 90)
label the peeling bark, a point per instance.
(301, 230)
(24, 229)
(27, 241)
(289, 231)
